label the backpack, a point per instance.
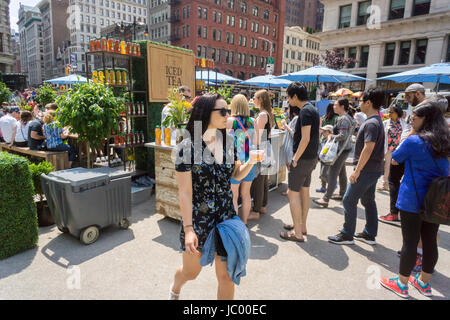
(436, 208)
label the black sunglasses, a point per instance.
(223, 111)
(187, 97)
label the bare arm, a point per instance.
(184, 180)
(242, 170)
(259, 126)
(14, 132)
(34, 135)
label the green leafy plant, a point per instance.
(46, 94)
(179, 110)
(225, 92)
(36, 170)
(90, 110)
(5, 93)
(18, 217)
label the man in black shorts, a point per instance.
(305, 148)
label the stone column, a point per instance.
(374, 62)
(412, 51)
(354, 15)
(435, 48)
(408, 8)
(358, 55)
(397, 53)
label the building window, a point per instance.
(405, 48)
(205, 14)
(345, 16)
(199, 31)
(421, 7)
(199, 12)
(215, 16)
(364, 57)
(255, 11)
(205, 32)
(231, 4)
(266, 14)
(421, 51)
(397, 9)
(448, 49)
(243, 7)
(351, 54)
(287, 39)
(389, 54)
(362, 12)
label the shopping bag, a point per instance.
(329, 152)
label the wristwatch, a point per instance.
(294, 161)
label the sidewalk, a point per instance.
(139, 263)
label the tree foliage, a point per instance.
(90, 110)
(5, 93)
(333, 59)
(46, 94)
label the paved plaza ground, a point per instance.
(139, 263)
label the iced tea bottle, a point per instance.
(158, 135)
(92, 44)
(123, 49)
(110, 44)
(104, 44)
(128, 47)
(167, 136)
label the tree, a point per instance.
(5, 93)
(333, 59)
(46, 94)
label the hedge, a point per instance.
(18, 217)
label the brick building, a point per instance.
(304, 13)
(238, 35)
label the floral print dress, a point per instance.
(394, 135)
(212, 198)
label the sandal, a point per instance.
(337, 197)
(290, 227)
(173, 295)
(253, 216)
(321, 203)
(290, 237)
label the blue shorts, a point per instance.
(248, 178)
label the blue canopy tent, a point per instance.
(435, 73)
(211, 75)
(267, 81)
(321, 74)
(70, 79)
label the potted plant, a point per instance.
(90, 110)
(179, 112)
(43, 212)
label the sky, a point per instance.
(14, 6)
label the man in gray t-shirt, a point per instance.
(372, 130)
(369, 152)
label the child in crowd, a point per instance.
(327, 132)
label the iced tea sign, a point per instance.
(168, 68)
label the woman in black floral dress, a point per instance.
(204, 169)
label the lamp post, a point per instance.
(271, 47)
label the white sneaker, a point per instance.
(172, 295)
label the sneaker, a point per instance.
(418, 266)
(423, 288)
(337, 197)
(390, 218)
(363, 236)
(393, 285)
(321, 190)
(341, 238)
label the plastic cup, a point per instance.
(257, 155)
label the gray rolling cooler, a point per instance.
(83, 201)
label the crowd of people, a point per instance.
(34, 129)
(408, 150)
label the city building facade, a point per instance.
(159, 19)
(239, 36)
(15, 45)
(31, 44)
(304, 13)
(300, 49)
(6, 56)
(389, 37)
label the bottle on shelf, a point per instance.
(95, 75)
(92, 45)
(125, 77)
(128, 48)
(138, 50)
(118, 77)
(142, 108)
(107, 81)
(158, 135)
(123, 49)
(110, 45)
(134, 49)
(112, 76)
(116, 46)
(116, 140)
(104, 44)
(167, 136)
(121, 138)
(142, 137)
(98, 44)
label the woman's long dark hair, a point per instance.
(434, 129)
(330, 112)
(202, 110)
(293, 111)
